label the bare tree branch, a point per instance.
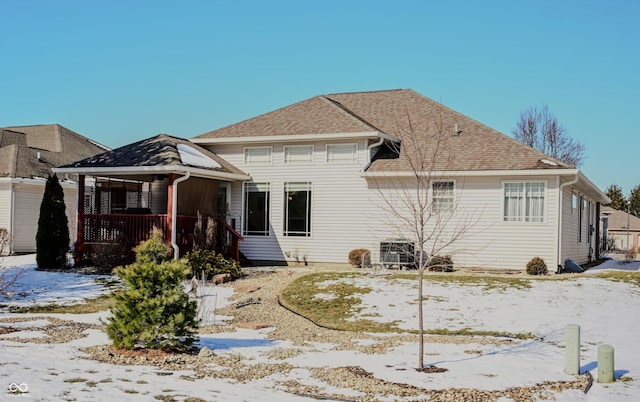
(541, 130)
(408, 199)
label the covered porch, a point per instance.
(125, 199)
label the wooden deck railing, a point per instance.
(132, 229)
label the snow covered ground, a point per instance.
(606, 311)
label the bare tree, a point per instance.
(8, 278)
(541, 130)
(413, 203)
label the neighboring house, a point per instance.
(308, 180)
(27, 155)
(623, 229)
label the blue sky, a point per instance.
(120, 71)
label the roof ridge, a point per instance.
(349, 112)
(367, 92)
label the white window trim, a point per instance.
(310, 207)
(453, 195)
(287, 147)
(354, 154)
(524, 199)
(269, 162)
(243, 211)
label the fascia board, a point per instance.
(290, 138)
(136, 170)
(473, 173)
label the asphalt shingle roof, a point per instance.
(54, 144)
(161, 150)
(459, 142)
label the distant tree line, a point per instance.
(621, 203)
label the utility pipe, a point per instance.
(562, 186)
(174, 215)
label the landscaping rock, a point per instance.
(221, 278)
(205, 352)
(247, 287)
(253, 325)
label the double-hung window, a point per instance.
(297, 209)
(442, 196)
(524, 202)
(255, 220)
(298, 154)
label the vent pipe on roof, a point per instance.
(39, 157)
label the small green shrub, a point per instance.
(359, 257)
(153, 250)
(442, 263)
(536, 266)
(212, 264)
(153, 311)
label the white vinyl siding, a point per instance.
(5, 213)
(346, 213)
(524, 202)
(573, 227)
(27, 211)
(342, 152)
(257, 155)
(298, 154)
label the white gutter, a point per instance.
(476, 173)
(133, 170)
(561, 189)
(369, 149)
(174, 215)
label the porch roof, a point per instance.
(161, 154)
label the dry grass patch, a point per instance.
(326, 300)
(100, 303)
(621, 276)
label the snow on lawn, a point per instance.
(43, 287)
(605, 310)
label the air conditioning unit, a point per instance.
(397, 252)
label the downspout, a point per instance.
(369, 149)
(562, 186)
(174, 217)
(12, 217)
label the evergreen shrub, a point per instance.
(212, 263)
(153, 311)
(52, 237)
(536, 266)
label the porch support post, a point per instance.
(80, 221)
(169, 223)
(597, 224)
